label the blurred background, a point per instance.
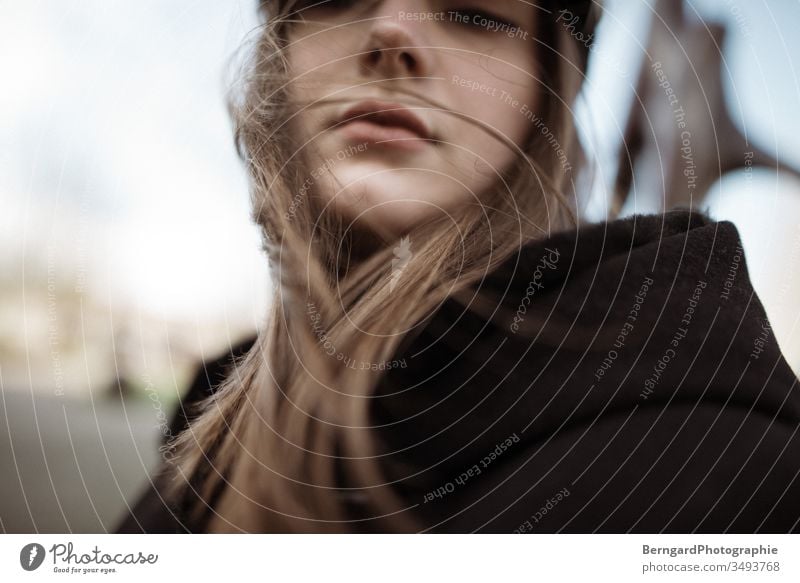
(127, 253)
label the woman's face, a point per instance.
(399, 168)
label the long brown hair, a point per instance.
(268, 451)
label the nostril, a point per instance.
(409, 61)
(375, 57)
(392, 54)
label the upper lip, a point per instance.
(386, 113)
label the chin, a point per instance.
(393, 218)
(384, 205)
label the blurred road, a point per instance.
(69, 466)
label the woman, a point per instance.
(449, 347)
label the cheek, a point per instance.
(298, 89)
(503, 97)
(309, 65)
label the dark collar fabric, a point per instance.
(624, 378)
(619, 377)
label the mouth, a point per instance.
(385, 123)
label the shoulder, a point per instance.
(623, 354)
(680, 469)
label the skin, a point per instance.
(366, 49)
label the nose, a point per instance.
(393, 47)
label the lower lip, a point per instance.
(389, 136)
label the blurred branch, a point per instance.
(680, 138)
